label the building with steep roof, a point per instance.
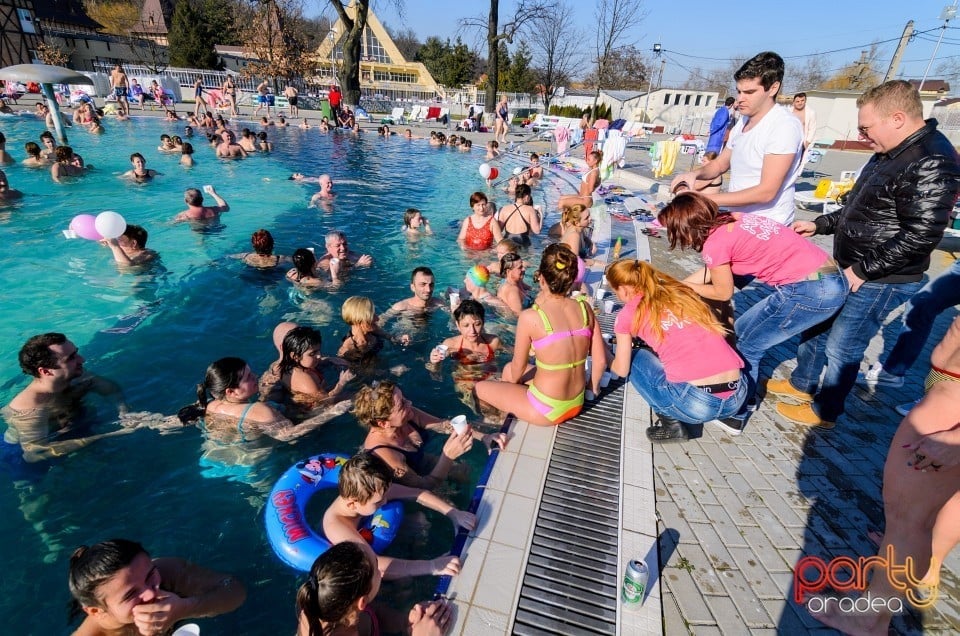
(154, 21)
(19, 32)
(384, 73)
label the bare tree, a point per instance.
(555, 43)
(616, 19)
(352, 39)
(807, 77)
(718, 79)
(525, 12)
(858, 75)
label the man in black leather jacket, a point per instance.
(892, 220)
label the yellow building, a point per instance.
(384, 74)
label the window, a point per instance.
(676, 100)
(666, 99)
(697, 103)
(26, 21)
(707, 103)
(373, 51)
(686, 100)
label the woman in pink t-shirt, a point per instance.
(690, 374)
(809, 288)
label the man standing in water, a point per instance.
(41, 417)
(118, 81)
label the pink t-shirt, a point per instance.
(687, 351)
(757, 246)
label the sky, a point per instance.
(707, 34)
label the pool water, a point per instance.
(155, 333)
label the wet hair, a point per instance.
(363, 476)
(186, 148)
(137, 234)
(660, 293)
(534, 156)
(335, 235)
(46, 134)
(893, 96)
(33, 149)
(223, 374)
(64, 153)
(262, 242)
(511, 246)
(597, 154)
(477, 197)
(297, 341)
(408, 216)
(803, 95)
(35, 353)
(92, 566)
(192, 196)
(303, 261)
(766, 66)
(469, 307)
(522, 191)
(426, 271)
(137, 155)
(374, 403)
(357, 310)
(262, 136)
(165, 138)
(558, 268)
(339, 577)
(177, 140)
(245, 133)
(507, 260)
(571, 213)
(689, 220)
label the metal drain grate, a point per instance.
(571, 583)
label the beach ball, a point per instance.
(479, 275)
(494, 173)
(110, 225)
(485, 170)
(84, 226)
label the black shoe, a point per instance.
(732, 425)
(666, 430)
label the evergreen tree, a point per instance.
(433, 54)
(459, 65)
(503, 65)
(191, 43)
(520, 77)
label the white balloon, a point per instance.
(110, 225)
(485, 170)
(517, 171)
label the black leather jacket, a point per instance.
(897, 211)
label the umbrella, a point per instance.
(47, 76)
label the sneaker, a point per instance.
(875, 376)
(803, 414)
(904, 409)
(783, 389)
(732, 425)
(667, 430)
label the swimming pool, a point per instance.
(155, 334)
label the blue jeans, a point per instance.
(939, 294)
(680, 400)
(839, 344)
(789, 310)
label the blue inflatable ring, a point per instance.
(294, 541)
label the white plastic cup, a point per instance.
(190, 629)
(605, 380)
(442, 349)
(608, 306)
(454, 300)
(599, 293)
(459, 424)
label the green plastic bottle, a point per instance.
(616, 248)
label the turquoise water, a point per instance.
(200, 305)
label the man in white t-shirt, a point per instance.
(765, 147)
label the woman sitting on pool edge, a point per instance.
(398, 434)
(589, 182)
(561, 332)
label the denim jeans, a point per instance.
(680, 400)
(789, 310)
(839, 344)
(923, 308)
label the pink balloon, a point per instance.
(83, 225)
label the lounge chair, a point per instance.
(396, 117)
(416, 113)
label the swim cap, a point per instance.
(479, 275)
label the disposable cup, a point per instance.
(190, 629)
(459, 424)
(442, 350)
(454, 300)
(608, 306)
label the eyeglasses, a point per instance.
(865, 130)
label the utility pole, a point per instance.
(898, 54)
(646, 109)
(946, 15)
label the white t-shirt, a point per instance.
(778, 133)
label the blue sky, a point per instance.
(717, 31)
